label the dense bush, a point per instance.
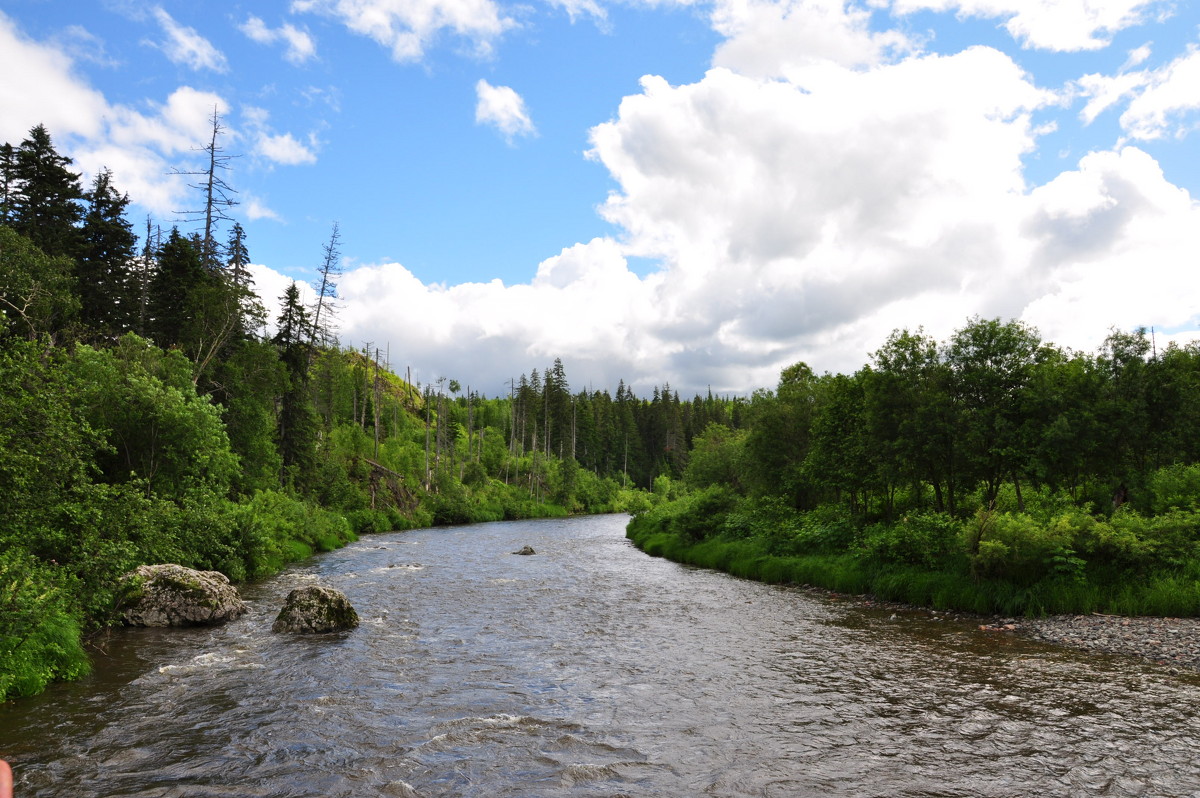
(1015, 547)
(928, 540)
(39, 625)
(1175, 487)
(1055, 556)
(272, 528)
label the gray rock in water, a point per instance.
(525, 550)
(172, 595)
(315, 608)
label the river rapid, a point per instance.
(591, 669)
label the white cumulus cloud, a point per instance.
(407, 27)
(806, 222)
(49, 91)
(769, 38)
(503, 108)
(1115, 243)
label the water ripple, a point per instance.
(593, 670)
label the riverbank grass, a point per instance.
(1170, 593)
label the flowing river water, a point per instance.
(590, 669)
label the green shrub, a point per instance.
(39, 625)
(701, 514)
(367, 522)
(829, 528)
(1175, 487)
(275, 528)
(1015, 547)
(929, 540)
(632, 501)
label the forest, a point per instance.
(150, 413)
(992, 472)
(153, 411)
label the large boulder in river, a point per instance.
(315, 608)
(172, 595)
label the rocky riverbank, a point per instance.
(1172, 642)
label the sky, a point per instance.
(686, 192)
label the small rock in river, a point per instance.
(525, 550)
(315, 608)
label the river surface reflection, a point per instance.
(590, 669)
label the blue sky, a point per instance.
(693, 192)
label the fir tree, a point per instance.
(180, 272)
(44, 195)
(107, 285)
(297, 424)
(8, 177)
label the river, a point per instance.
(590, 669)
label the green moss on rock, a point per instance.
(315, 608)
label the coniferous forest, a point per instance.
(151, 411)
(147, 415)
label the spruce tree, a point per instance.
(297, 424)
(237, 256)
(179, 274)
(8, 177)
(251, 314)
(45, 196)
(108, 290)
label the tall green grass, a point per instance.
(1172, 594)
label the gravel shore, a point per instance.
(1174, 642)
(1171, 642)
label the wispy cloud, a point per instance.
(1057, 25)
(281, 148)
(300, 45)
(1162, 102)
(256, 208)
(184, 45)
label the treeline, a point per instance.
(635, 439)
(148, 416)
(993, 472)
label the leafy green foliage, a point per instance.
(991, 473)
(717, 457)
(273, 529)
(158, 429)
(39, 628)
(1175, 487)
(36, 291)
(929, 540)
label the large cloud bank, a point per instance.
(828, 180)
(801, 208)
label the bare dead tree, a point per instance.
(325, 303)
(217, 194)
